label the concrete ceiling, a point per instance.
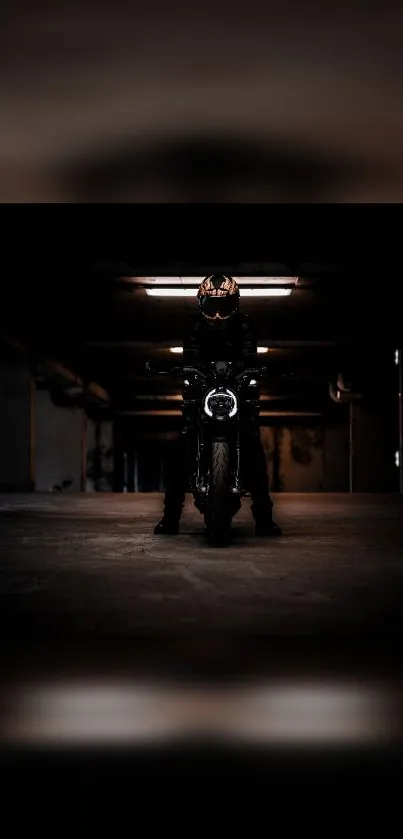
(105, 329)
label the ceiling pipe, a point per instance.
(47, 372)
(341, 384)
(342, 393)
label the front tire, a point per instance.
(219, 506)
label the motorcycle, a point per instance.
(223, 399)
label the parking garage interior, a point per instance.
(91, 409)
(86, 426)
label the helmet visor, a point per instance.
(222, 305)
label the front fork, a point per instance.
(196, 450)
(236, 488)
(200, 481)
(201, 474)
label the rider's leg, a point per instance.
(257, 480)
(177, 475)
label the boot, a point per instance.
(169, 524)
(166, 527)
(267, 527)
(264, 523)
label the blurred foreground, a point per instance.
(266, 694)
(96, 730)
(218, 104)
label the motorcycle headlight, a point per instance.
(221, 404)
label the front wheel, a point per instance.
(220, 502)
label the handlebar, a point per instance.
(248, 372)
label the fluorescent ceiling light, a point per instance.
(171, 292)
(195, 281)
(244, 292)
(180, 349)
(265, 292)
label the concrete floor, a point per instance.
(89, 565)
(250, 619)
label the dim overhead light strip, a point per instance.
(242, 281)
(244, 292)
(179, 350)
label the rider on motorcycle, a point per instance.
(219, 332)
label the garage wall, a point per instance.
(294, 457)
(16, 394)
(58, 444)
(100, 457)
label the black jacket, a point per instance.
(232, 340)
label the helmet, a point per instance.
(218, 297)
